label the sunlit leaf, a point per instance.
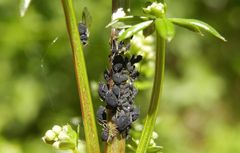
(126, 21)
(24, 4)
(134, 29)
(196, 26)
(154, 149)
(165, 28)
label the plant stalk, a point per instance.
(92, 143)
(156, 95)
(117, 145)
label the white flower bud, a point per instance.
(56, 145)
(118, 14)
(154, 135)
(156, 9)
(56, 129)
(152, 143)
(65, 128)
(63, 136)
(49, 135)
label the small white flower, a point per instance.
(118, 14)
(154, 135)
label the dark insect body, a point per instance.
(84, 25)
(118, 93)
(83, 32)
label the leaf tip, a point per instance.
(223, 39)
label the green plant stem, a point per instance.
(125, 4)
(75, 150)
(155, 98)
(88, 116)
(116, 146)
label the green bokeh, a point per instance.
(200, 108)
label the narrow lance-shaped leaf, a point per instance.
(127, 21)
(134, 29)
(165, 28)
(196, 26)
(24, 6)
(149, 30)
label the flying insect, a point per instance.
(84, 25)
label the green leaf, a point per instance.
(196, 26)
(24, 4)
(127, 21)
(149, 30)
(154, 149)
(134, 29)
(165, 28)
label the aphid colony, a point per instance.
(118, 93)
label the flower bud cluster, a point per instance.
(62, 138)
(155, 9)
(118, 93)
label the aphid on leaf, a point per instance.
(84, 25)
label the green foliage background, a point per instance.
(200, 108)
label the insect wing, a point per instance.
(86, 17)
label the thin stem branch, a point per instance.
(125, 4)
(82, 79)
(155, 98)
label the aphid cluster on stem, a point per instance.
(118, 92)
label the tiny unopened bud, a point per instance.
(63, 135)
(66, 128)
(154, 135)
(118, 14)
(152, 143)
(56, 144)
(156, 9)
(56, 129)
(49, 135)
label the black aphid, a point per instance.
(111, 99)
(119, 92)
(101, 114)
(119, 78)
(102, 90)
(122, 122)
(105, 135)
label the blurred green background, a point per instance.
(200, 108)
